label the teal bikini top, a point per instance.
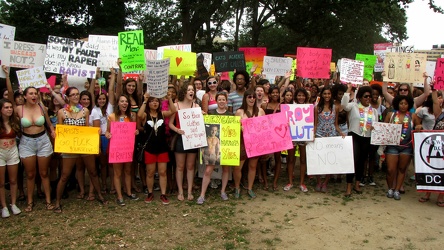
(27, 123)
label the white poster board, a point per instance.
(150, 54)
(192, 123)
(430, 69)
(301, 121)
(429, 161)
(386, 134)
(276, 66)
(207, 60)
(78, 82)
(109, 50)
(181, 47)
(156, 77)
(22, 54)
(404, 67)
(327, 156)
(34, 77)
(352, 71)
(7, 32)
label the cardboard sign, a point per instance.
(229, 61)
(255, 56)
(121, 144)
(181, 63)
(7, 32)
(313, 62)
(301, 121)
(401, 49)
(326, 156)
(379, 50)
(276, 66)
(369, 65)
(76, 139)
(266, 134)
(180, 47)
(131, 50)
(109, 50)
(22, 55)
(386, 134)
(34, 77)
(404, 67)
(439, 74)
(429, 160)
(352, 71)
(156, 77)
(430, 69)
(192, 123)
(70, 56)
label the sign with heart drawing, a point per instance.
(182, 63)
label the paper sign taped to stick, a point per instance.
(156, 77)
(379, 49)
(352, 71)
(386, 134)
(301, 121)
(131, 50)
(192, 123)
(34, 77)
(121, 144)
(313, 62)
(76, 139)
(22, 54)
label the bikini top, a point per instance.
(27, 123)
(10, 135)
(74, 122)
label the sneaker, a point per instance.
(224, 196)
(15, 210)
(164, 199)
(156, 176)
(270, 173)
(200, 200)
(390, 193)
(5, 212)
(303, 188)
(145, 190)
(251, 194)
(149, 198)
(133, 197)
(396, 195)
(237, 193)
(362, 183)
(120, 202)
(324, 188)
(284, 160)
(213, 184)
(288, 187)
(371, 182)
(156, 187)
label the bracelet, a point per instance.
(143, 102)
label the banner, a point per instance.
(181, 63)
(352, 71)
(22, 55)
(121, 144)
(131, 50)
(266, 134)
(255, 56)
(301, 120)
(109, 50)
(192, 123)
(203, 64)
(404, 67)
(313, 62)
(180, 47)
(76, 139)
(7, 32)
(70, 56)
(429, 160)
(156, 77)
(439, 74)
(386, 134)
(229, 61)
(369, 65)
(276, 66)
(330, 155)
(34, 77)
(379, 50)
(223, 139)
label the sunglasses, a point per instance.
(251, 97)
(76, 94)
(366, 96)
(212, 83)
(403, 90)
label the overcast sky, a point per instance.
(424, 27)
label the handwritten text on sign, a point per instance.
(156, 76)
(439, 74)
(109, 50)
(326, 156)
(34, 77)
(229, 61)
(301, 120)
(404, 67)
(76, 139)
(386, 134)
(22, 55)
(131, 50)
(266, 134)
(192, 123)
(379, 49)
(352, 71)
(313, 63)
(7, 32)
(276, 66)
(255, 56)
(429, 161)
(369, 64)
(121, 144)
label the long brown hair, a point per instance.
(13, 120)
(244, 105)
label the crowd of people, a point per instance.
(29, 118)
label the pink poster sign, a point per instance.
(439, 74)
(255, 55)
(266, 134)
(313, 62)
(121, 144)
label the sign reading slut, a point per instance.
(76, 139)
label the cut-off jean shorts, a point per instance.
(40, 145)
(9, 156)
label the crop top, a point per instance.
(10, 135)
(27, 123)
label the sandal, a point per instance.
(112, 191)
(423, 199)
(103, 201)
(440, 203)
(190, 197)
(49, 206)
(180, 197)
(90, 198)
(104, 191)
(266, 188)
(30, 207)
(58, 209)
(80, 196)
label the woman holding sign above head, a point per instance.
(404, 89)
(35, 148)
(73, 114)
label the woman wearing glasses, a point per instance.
(209, 98)
(404, 89)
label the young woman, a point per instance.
(156, 149)
(301, 96)
(171, 165)
(247, 110)
(74, 114)
(214, 149)
(209, 98)
(287, 97)
(184, 158)
(337, 92)
(122, 113)
(404, 89)
(9, 157)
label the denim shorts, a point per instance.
(9, 156)
(40, 146)
(396, 150)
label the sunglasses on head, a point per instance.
(251, 97)
(212, 82)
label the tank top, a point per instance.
(212, 104)
(272, 111)
(157, 140)
(326, 123)
(74, 122)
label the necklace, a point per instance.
(362, 122)
(405, 124)
(74, 109)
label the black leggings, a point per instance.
(361, 147)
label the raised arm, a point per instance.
(111, 87)
(345, 104)
(119, 80)
(387, 96)
(9, 86)
(92, 85)
(171, 108)
(436, 107)
(421, 99)
(141, 113)
(56, 96)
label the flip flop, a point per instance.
(90, 198)
(440, 203)
(423, 199)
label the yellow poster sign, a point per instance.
(181, 63)
(76, 140)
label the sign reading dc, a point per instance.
(429, 160)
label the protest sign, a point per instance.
(276, 66)
(386, 134)
(192, 123)
(429, 160)
(401, 49)
(352, 71)
(313, 62)
(301, 121)
(70, 56)
(131, 75)
(76, 139)
(7, 32)
(51, 81)
(379, 50)
(439, 74)
(203, 64)
(78, 82)
(121, 144)
(293, 69)
(229, 61)
(326, 156)
(181, 63)
(34, 77)
(404, 67)
(332, 66)
(430, 69)
(255, 56)
(180, 47)
(216, 174)
(156, 77)
(131, 50)
(2, 61)
(109, 50)
(22, 54)
(369, 65)
(150, 54)
(266, 134)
